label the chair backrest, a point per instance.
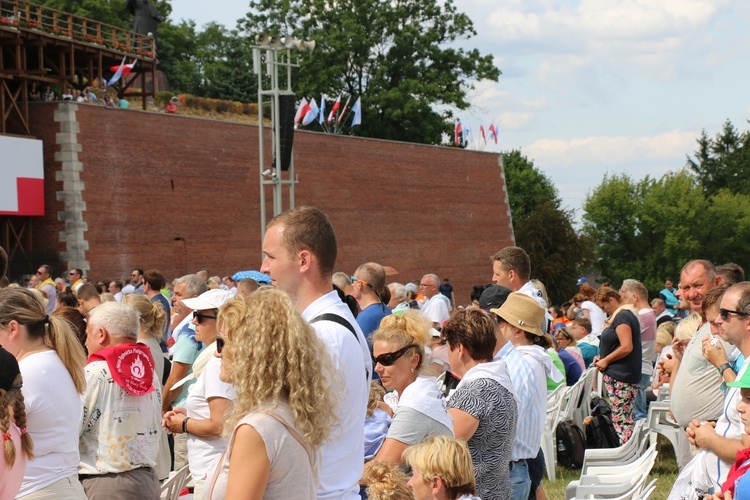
(554, 405)
(636, 467)
(572, 400)
(623, 454)
(172, 487)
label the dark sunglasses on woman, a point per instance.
(389, 358)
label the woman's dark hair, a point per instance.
(473, 329)
(67, 299)
(76, 319)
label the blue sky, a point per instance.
(596, 86)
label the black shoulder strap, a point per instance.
(341, 321)
(336, 319)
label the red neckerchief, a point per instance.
(131, 366)
(738, 469)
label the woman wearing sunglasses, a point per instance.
(398, 349)
(483, 406)
(202, 418)
(283, 411)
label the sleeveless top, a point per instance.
(291, 474)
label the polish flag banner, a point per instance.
(21, 176)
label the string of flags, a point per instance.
(462, 135)
(309, 111)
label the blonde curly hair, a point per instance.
(411, 327)
(273, 356)
(386, 482)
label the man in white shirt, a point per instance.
(300, 253)
(437, 305)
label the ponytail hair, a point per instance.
(14, 398)
(151, 314)
(19, 304)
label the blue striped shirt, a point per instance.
(530, 421)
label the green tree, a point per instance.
(400, 57)
(723, 162)
(543, 228)
(649, 229)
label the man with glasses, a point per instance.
(437, 305)
(184, 353)
(720, 442)
(47, 285)
(75, 278)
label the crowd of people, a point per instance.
(322, 384)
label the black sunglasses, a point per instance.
(389, 358)
(219, 343)
(200, 317)
(724, 313)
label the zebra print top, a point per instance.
(493, 405)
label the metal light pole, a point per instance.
(274, 52)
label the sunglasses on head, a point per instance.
(200, 317)
(724, 313)
(219, 343)
(389, 358)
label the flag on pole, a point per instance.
(304, 107)
(336, 106)
(343, 111)
(122, 70)
(457, 133)
(311, 114)
(357, 110)
(481, 129)
(322, 114)
(493, 133)
(466, 133)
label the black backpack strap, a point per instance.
(341, 321)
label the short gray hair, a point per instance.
(399, 291)
(636, 288)
(119, 320)
(194, 285)
(433, 277)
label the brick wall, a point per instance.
(178, 193)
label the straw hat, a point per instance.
(522, 311)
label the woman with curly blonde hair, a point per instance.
(283, 411)
(418, 405)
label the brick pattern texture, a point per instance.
(178, 194)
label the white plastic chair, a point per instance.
(624, 454)
(616, 480)
(582, 408)
(549, 448)
(171, 488)
(647, 491)
(573, 401)
(659, 422)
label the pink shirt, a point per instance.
(11, 479)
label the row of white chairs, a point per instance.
(565, 403)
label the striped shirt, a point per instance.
(530, 419)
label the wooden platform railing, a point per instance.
(26, 15)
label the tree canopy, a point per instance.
(723, 162)
(543, 228)
(401, 57)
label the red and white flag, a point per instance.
(493, 133)
(457, 133)
(123, 70)
(336, 106)
(304, 107)
(312, 113)
(481, 129)
(343, 111)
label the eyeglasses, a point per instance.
(73, 274)
(389, 358)
(426, 285)
(38, 273)
(200, 317)
(724, 313)
(220, 343)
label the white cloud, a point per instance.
(613, 151)
(514, 120)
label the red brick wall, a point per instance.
(177, 194)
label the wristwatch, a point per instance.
(723, 368)
(184, 422)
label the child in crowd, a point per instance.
(17, 445)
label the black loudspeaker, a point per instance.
(286, 129)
